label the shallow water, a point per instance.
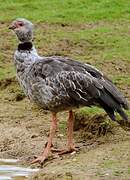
(9, 170)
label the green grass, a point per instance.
(129, 170)
(7, 72)
(93, 111)
(68, 11)
(106, 42)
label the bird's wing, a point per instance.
(82, 88)
(87, 90)
(78, 83)
(101, 78)
(79, 66)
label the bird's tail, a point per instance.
(110, 105)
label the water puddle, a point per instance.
(9, 170)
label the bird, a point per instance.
(59, 83)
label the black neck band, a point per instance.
(26, 46)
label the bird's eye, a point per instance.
(20, 24)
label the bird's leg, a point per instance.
(47, 149)
(70, 144)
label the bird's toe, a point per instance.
(39, 159)
(68, 150)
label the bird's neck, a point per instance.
(24, 56)
(25, 46)
(26, 53)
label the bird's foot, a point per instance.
(68, 150)
(39, 159)
(64, 151)
(56, 150)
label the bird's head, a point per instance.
(23, 29)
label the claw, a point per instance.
(66, 151)
(39, 159)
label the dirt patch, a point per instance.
(12, 89)
(7, 82)
(107, 161)
(92, 127)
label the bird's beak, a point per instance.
(12, 27)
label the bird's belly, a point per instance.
(49, 101)
(52, 102)
(44, 96)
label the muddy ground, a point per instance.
(24, 128)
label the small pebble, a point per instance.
(74, 160)
(107, 174)
(74, 152)
(60, 135)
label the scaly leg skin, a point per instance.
(46, 151)
(70, 144)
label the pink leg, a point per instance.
(70, 144)
(47, 149)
